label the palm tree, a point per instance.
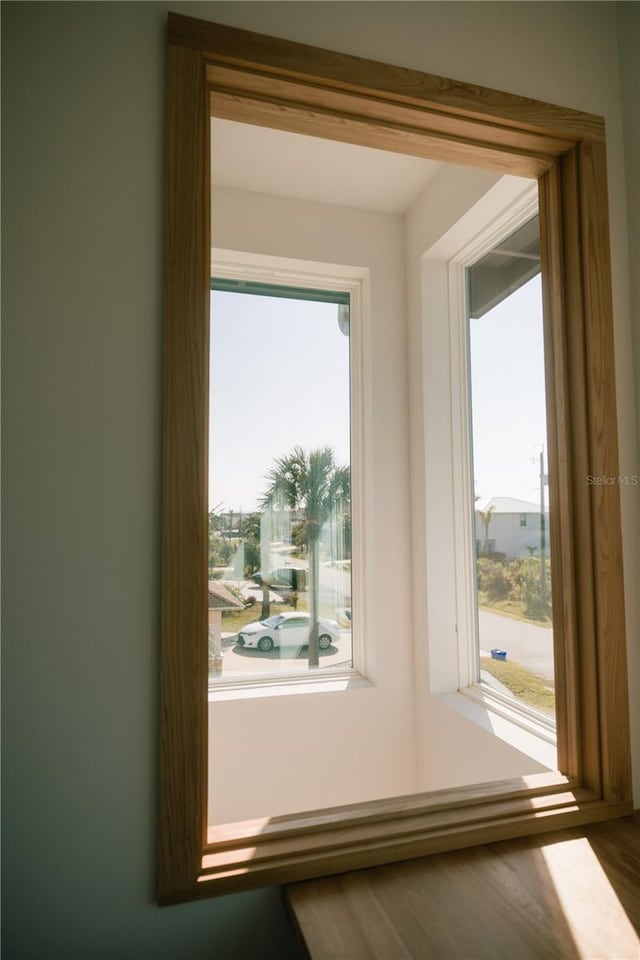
(315, 485)
(485, 516)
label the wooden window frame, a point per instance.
(239, 75)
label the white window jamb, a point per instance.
(505, 223)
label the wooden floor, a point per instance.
(575, 893)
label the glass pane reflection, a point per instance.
(279, 484)
(510, 483)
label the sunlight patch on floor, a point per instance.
(592, 911)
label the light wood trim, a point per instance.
(424, 814)
(284, 58)
(183, 756)
(561, 477)
(583, 654)
(391, 808)
(335, 115)
(593, 713)
(334, 125)
(603, 446)
(470, 130)
(423, 833)
(585, 523)
(286, 861)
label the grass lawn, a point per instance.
(523, 684)
(509, 608)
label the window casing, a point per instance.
(252, 77)
(348, 286)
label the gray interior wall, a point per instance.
(82, 93)
(82, 168)
(629, 40)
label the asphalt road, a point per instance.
(525, 643)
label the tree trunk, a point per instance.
(266, 606)
(314, 602)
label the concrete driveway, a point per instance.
(240, 662)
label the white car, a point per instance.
(287, 630)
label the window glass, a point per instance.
(279, 481)
(510, 483)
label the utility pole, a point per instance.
(543, 578)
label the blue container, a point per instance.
(498, 654)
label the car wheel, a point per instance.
(265, 644)
(324, 642)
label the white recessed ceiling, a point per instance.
(256, 158)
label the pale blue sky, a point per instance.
(279, 378)
(508, 397)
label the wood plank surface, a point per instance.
(570, 894)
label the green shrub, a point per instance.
(493, 579)
(536, 588)
(517, 582)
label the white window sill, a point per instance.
(256, 688)
(522, 729)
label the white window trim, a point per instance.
(522, 715)
(451, 625)
(241, 265)
(482, 243)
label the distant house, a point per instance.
(513, 528)
(219, 599)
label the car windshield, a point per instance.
(273, 621)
